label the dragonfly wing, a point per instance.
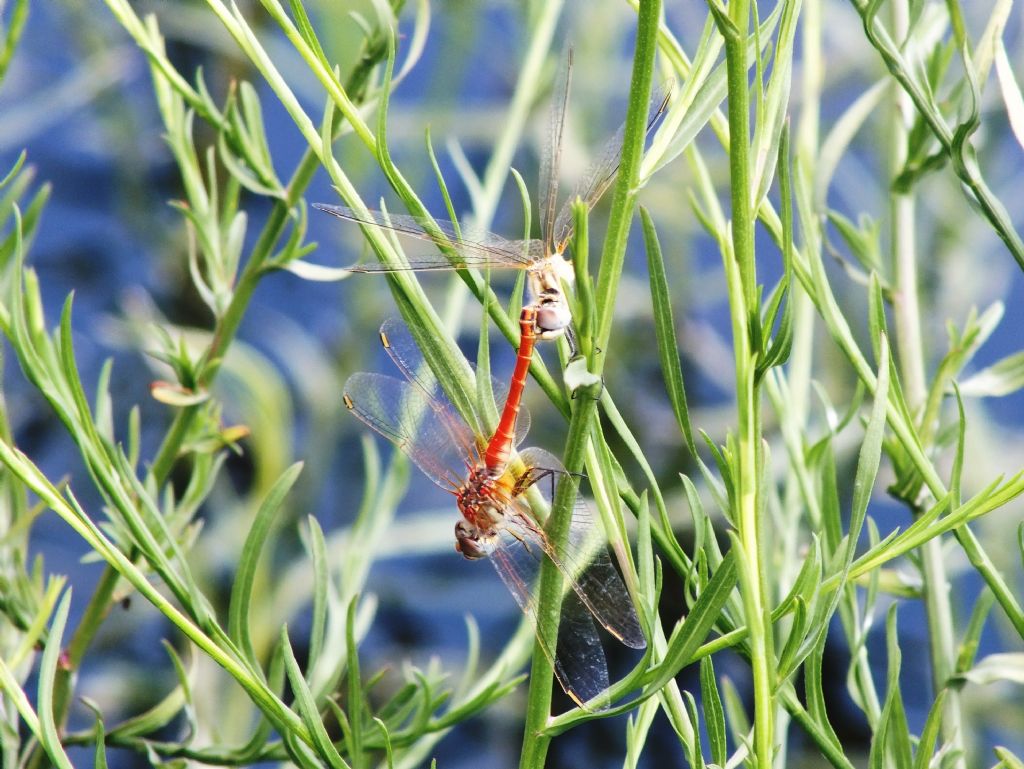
(580, 664)
(473, 247)
(584, 561)
(602, 171)
(403, 350)
(431, 436)
(401, 347)
(576, 655)
(523, 419)
(552, 157)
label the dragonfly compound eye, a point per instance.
(552, 316)
(469, 541)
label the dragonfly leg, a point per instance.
(570, 338)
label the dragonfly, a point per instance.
(494, 485)
(544, 260)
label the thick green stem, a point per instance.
(741, 277)
(584, 417)
(549, 601)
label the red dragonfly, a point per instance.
(544, 260)
(491, 488)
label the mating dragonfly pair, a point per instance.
(493, 482)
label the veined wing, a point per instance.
(401, 347)
(602, 171)
(583, 559)
(551, 160)
(576, 655)
(436, 440)
(473, 248)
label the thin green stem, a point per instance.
(613, 255)
(910, 344)
(740, 270)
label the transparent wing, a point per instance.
(523, 420)
(576, 656)
(583, 560)
(403, 350)
(594, 589)
(429, 433)
(474, 248)
(552, 157)
(602, 171)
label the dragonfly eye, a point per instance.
(470, 542)
(552, 316)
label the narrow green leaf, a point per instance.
(441, 184)
(736, 714)
(690, 634)
(876, 313)
(1007, 758)
(714, 714)
(1001, 378)
(308, 711)
(871, 450)
(695, 751)
(823, 459)
(248, 562)
(388, 752)
(979, 615)
(15, 169)
(1008, 666)
(321, 575)
(49, 734)
(308, 33)
(665, 331)
(814, 689)
(862, 239)
(99, 734)
(794, 641)
(958, 459)
(892, 712)
(356, 703)
(645, 558)
(930, 733)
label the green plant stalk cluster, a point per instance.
(777, 619)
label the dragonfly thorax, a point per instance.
(481, 503)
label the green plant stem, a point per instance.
(613, 254)
(954, 141)
(742, 282)
(549, 596)
(584, 416)
(909, 339)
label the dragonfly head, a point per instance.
(547, 281)
(472, 542)
(553, 315)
